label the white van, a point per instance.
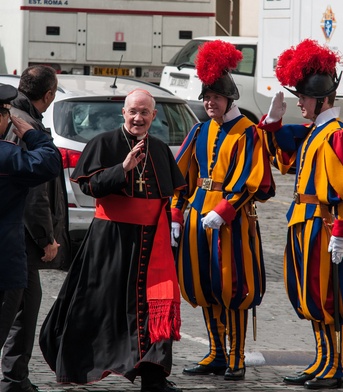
(179, 77)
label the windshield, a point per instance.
(81, 121)
(186, 57)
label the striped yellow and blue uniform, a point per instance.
(223, 270)
(316, 153)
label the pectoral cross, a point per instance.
(140, 181)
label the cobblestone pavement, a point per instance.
(283, 346)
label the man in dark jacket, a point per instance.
(19, 170)
(46, 233)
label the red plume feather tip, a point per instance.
(308, 57)
(214, 59)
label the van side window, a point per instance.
(187, 55)
(247, 65)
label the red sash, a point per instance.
(163, 293)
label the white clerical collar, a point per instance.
(138, 137)
(329, 114)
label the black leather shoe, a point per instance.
(204, 370)
(323, 383)
(163, 386)
(24, 386)
(234, 375)
(298, 379)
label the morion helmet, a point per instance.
(214, 62)
(310, 68)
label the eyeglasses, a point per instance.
(143, 113)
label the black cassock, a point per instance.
(99, 323)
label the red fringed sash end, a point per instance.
(164, 320)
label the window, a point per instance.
(81, 121)
(247, 65)
(181, 123)
(186, 57)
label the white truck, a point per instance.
(179, 76)
(92, 37)
(284, 23)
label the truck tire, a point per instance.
(250, 116)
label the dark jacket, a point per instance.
(46, 211)
(20, 170)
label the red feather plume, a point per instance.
(214, 59)
(308, 57)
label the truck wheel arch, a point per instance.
(250, 115)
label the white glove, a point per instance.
(212, 221)
(336, 249)
(277, 108)
(175, 233)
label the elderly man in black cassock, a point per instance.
(119, 308)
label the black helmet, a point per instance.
(317, 85)
(7, 94)
(214, 62)
(224, 86)
(311, 69)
